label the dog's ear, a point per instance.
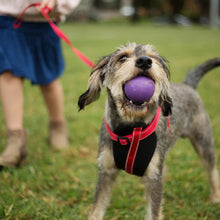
(165, 99)
(166, 105)
(165, 64)
(95, 83)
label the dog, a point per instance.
(176, 108)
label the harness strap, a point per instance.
(59, 33)
(145, 133)
(133, 150)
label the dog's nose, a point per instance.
(143, 62)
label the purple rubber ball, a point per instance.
(139, 90)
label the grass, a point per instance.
(60, 185)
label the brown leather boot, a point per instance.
(58, 137)
(15, 151)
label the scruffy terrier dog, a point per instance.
(136, 136)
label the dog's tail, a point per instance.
(194, 76)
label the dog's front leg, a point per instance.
(107, 176)
(153, 185)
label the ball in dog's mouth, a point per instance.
(139, 90)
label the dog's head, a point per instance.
(126, 63)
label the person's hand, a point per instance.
(48, 4)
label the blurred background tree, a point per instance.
(181, 12)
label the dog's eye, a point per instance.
(123, 58)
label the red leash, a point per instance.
(60, 34)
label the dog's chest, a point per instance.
(134, 145)
(133, 154)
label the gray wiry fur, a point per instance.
(188, 119)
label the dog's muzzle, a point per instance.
(144, 62)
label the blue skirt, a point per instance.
(32, 51)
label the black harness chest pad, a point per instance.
(145, 149)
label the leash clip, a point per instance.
(123, 140)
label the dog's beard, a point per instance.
(131, 112)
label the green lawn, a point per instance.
(60, 185)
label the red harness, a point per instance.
(137, 135)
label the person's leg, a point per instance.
(53, 97)
(11, 93)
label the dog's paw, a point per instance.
(94, 218)
(215, 197)
(96, 215)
